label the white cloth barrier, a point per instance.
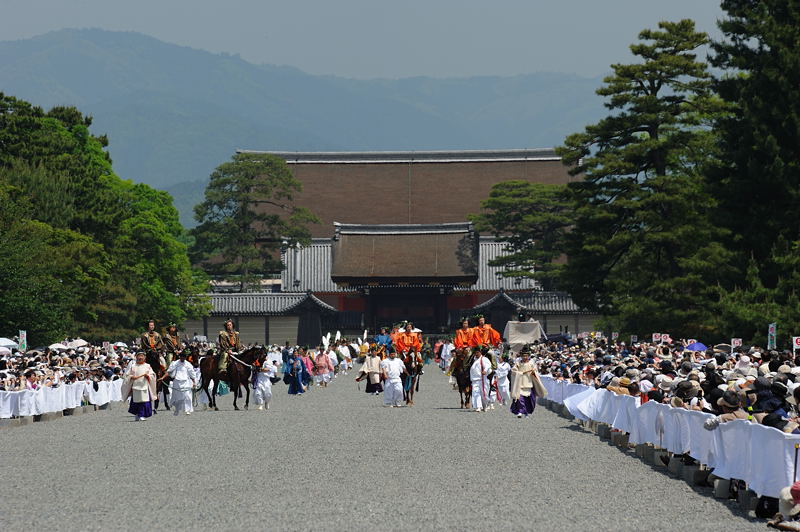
(763, 457)
(44, 400)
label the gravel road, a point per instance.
(335, 458)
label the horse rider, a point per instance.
(172, 344)
(228, 341)
(151, 340)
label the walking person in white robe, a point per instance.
(501, 374)
(183, 382)
(480, 384)
(263, 388)
(393, 369)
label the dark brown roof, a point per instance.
(264, 304)
(389, 254)
(534, 302)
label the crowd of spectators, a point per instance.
(751, 383)
(37, 369)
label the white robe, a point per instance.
(183, 381)
(263, 388)
(480, 384)
(501, 373)
(393, 385)
(141, 389)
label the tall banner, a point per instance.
(772, 333)
(23, 341)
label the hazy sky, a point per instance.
(377, 38)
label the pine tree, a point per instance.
(643, 251)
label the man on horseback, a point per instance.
(484, 334)
(153, 347)
(228, 341)
(172, 344)
(151, 340)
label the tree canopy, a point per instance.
(246, 216)
(643, 250)
(531, 218)
(85, 252)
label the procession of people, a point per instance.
(732, 383)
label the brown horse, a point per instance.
(459, 369)
(154, 360)
(238, 374)
(413, 364)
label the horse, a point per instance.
(413, 364)
(209, 376)
(240, 371)
(154, 359)
(459, 369)
(238, 374)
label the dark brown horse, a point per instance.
(162, 388)
(459, 369)
(413, 364)
(239, 373)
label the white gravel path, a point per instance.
(336, 459)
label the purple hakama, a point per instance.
(524, 405)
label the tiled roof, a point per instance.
(453, 156)
(489, 277)
(309, 268)
(445, 253)
(542, 302)
(262, 303)
(401, 229)
(536, 302)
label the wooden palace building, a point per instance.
(394, 244)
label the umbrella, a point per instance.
(696, 346)
(120, 344)
(78, 342)
(58, 347)
(5, 342)
(5, 351)
(725, 348)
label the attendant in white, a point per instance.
(446, 354)
(480, 384)
(501, 374)
(183, 381)
(263, 388)
(140, 385)
(392, 368)
(340, 352)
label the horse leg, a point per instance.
(247, 401)
(236, 392)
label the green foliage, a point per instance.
(531, 218)
(757, 176)
(247, 215)
(93, 254)
(643, 250)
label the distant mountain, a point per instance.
(174, 113)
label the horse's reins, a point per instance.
(239, 361)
